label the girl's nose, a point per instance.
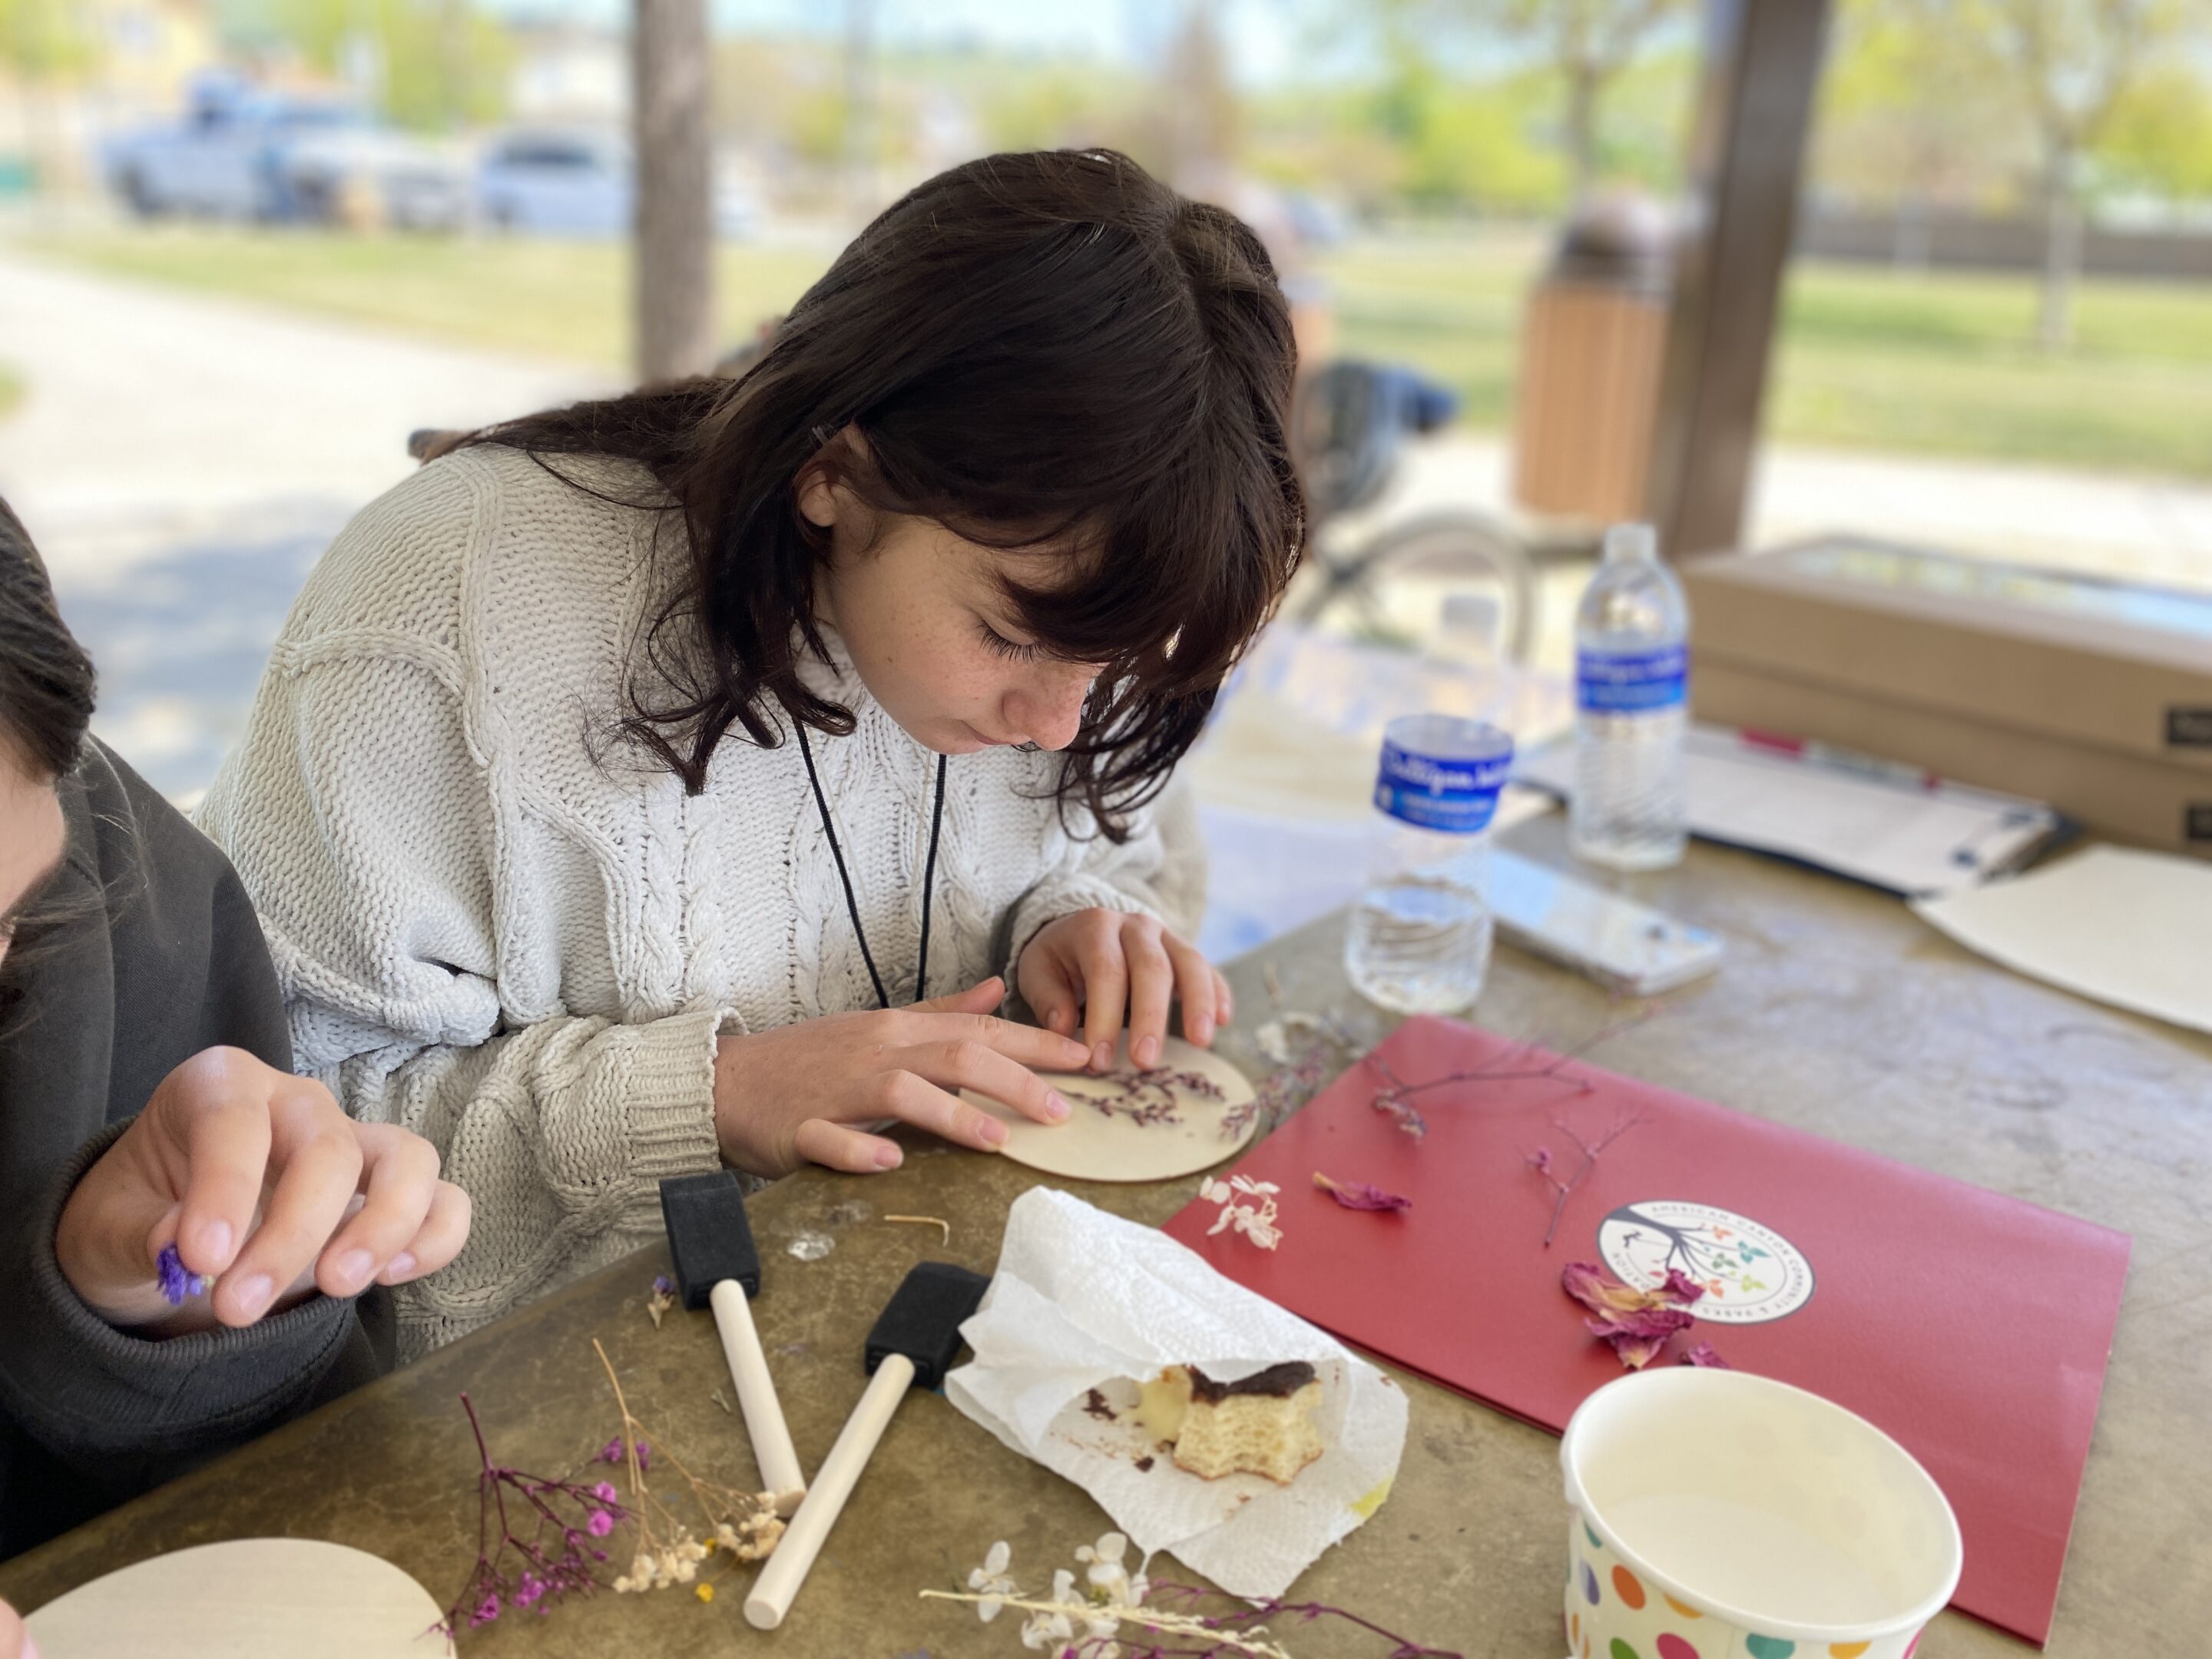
(1048, 711)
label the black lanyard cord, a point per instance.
(852, 905)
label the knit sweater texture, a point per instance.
(499, 924)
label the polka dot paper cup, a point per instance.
(1723, 1515)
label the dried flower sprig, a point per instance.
(744, 1524)
(1541, 1162)
(662, 1298)
(559, 1553)
(1255, 1218)
(1179, 1621)
(1395, 1097)
(1144, 1097)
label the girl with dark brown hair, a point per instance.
(625, 783)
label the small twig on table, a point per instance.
(1540, 1162)
(925, 1221)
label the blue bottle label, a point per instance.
(1632, 682)
(1457, 797)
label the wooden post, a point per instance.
(1762, 65)
(674, 265)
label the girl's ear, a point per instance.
(822, 495)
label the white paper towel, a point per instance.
(1084, 1301)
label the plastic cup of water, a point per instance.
(1718, 1515)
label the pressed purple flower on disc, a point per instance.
(177, 1286)
(1361, 1195)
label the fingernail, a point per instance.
(1102, 1056)
(1055, 1107)
(214, 1239)
(1202, 1031)
(253, 1295)
(355, 1267)
(1148, 1051)
(889, 1158)
(992, 1132)
(401, 1266)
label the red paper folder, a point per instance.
(1973, 1328)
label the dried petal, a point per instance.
(1679, 1289)
(1590, 1287)
(1635, 1352)
(1360, 1196)
(1703, 1354)
(1657, 1322)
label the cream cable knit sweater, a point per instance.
(522, 945)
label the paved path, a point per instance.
(183, 459)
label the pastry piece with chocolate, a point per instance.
(1258, 1424)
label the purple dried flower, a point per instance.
(612, 1451)
(1360, 1195)
(600, 1524)
(1679, 1289)
(663, 1285)
(644, 1456)
(1703, 1354)
(487, 1610)
(177, 1285)
(605, 1493)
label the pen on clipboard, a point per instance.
(1829, 757)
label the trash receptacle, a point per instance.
(1592, 346)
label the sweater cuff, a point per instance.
(670, 1092)
(88, 1390)
(1064, 898)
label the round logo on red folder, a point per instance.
(1749, 1273)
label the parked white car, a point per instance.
(579, 183)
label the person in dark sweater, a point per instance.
(153, 1143)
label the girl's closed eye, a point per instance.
(1000, 644)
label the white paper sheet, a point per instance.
(1084, 1300)
(1865, 821)
(2133, 929)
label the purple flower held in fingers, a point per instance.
(177, 1285)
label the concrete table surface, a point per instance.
(1837, 1011)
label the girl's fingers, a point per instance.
(1049, 988)
(981, 999)
(1105, 987)
(317, 1163)
(1195, 983)
(966, 1063)
(227, 1141)
(399, 1179)
(1151, 989)
(1224, 1000)
(913, 1099)
(833, 1145)
(444, 1231)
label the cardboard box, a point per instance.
(2094, 696)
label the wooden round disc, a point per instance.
(252, 1598)
(1176, 1120)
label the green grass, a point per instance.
(550, 298)
(1926, 363)
(1936, 363)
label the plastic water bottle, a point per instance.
(1420, 933)
(1631, 692)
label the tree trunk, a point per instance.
(2062, 252)
(863, 189)
(674, 223)
(1581, 135)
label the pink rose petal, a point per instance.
(1703, 1354)
(1359, 1195)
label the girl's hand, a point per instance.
(265, 1187)
(790, 1096)
(1102, 960)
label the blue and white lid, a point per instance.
(1441, 772)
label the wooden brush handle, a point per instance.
(802, 1541)
(741, 1347)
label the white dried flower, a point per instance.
(991, 1579)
